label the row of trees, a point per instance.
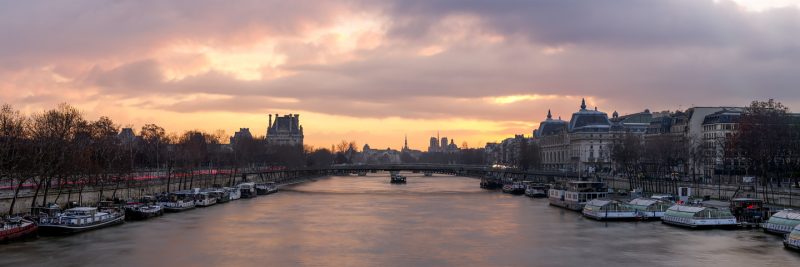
(60, 148)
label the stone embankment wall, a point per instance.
(775, 196)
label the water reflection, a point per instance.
(365, 221)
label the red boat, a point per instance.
(16, 228)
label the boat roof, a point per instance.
(599, 202)
(788, 214)
(643, 201)
(692, 209)
(82, 209)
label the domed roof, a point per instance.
(589, 120)
(551, 126)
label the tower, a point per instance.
(405, 142)
(583, 104)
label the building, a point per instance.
(438, 145)
(718, 127)
(126, 136)
(285, 130)
(243, 133)
(553, 140)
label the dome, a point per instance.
(551, 126)
(589, 120)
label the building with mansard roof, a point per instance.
(285, 130)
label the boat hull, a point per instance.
(178, 208)
(28, 229)
(139, 215)
(791, 244)
(611, 216)
(50, 230)
(700, 224)
(573, 206)
(771, 228)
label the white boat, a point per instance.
(247, 190)
(79, 219)
(650, 208)
(575, 194)
(535, 190)
(699, 217)
(204, 199)
(233, 192)
(782, 222)
(792, 240)
(603, 209)
(178, 201)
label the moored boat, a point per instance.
(15, 228)
(266, 188)
(397, 179)
(220, 194)
(782, 222)
(233, 192)
(649, 208)
(142, 209)
(575, 194)
(536, 190)
(699, 217)
(178, 201)
(204, 199)
(79, 219)
(514, 188)
(792, 240)
(247, 190)
(604, 209)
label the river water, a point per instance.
(365, 221)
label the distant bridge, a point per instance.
(476, 171)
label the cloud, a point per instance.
(412, 59)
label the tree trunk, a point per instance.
(16, 194)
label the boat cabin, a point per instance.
(649, 207)
(749, 210)
(782, 222)
(698, 216)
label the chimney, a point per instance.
(270, 122)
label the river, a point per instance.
(365, 221)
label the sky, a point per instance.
(475, 71)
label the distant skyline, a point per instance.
(374, 71)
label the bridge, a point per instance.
(475, 171)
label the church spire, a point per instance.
(549, 116)
(583, 103)
(405, 143)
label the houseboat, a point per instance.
(247, 190)
(145, 208)
(220, 194)
(792, 240)
(15, 228)
(604, 209)
(514, 188)
(782, 222)
(428, 174)
(266, 188)
(397, 179)
(536, 190)
(178, 201)
(233, 193)
(650, 208)
(79, 219)
(575, 194)
(204, 199)
(490, 183)
(699, 217)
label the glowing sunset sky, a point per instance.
(372, 71)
